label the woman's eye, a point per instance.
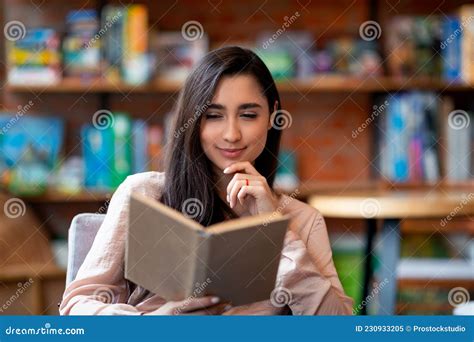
(213, 116)
(249, 115)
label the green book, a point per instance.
(122, 161)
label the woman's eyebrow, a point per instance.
(242, 106)
(249, 105)
(215, 106)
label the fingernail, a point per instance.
(225, 170)
(215, 300)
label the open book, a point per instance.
(175, 257)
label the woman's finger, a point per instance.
(235, 190)
(244, 166)
(242, 176)
(218, 309)
(253, 190)
(196, 303)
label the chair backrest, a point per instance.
(84, 228)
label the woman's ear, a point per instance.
(275, 108)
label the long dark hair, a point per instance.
(189, 176)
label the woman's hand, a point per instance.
(254, 194)
(192, 306)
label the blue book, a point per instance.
(98, 152)
(140, 144)
(398, 139)
(44, 135)
(451, 49)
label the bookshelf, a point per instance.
(325, 83)
(330, 105)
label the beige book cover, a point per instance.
(175, 257)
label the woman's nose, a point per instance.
(232, 132)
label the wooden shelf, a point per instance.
(436, 282)
(322, 83)
(19, 272)
(302, 191)
(96, 86)
(52, 196)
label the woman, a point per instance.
(222, 151)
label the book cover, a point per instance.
(175, 257)
(140, 144)
(97, 149)
(122, 138)
(451, 49)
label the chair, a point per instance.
(83, 229)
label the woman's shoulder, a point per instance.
(150, 183)
(289, 204)
(304, 219)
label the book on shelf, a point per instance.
(115, 151)
(139, 143)
(125, 43)
(435, 268)
(175, 55)
(29, 151)
(412, 46)
(173, 256)
(457, 141)
(407, 138)
(107, 152)
(34, 59)
(466, 15)
(348, 256)
(81, 48)
(457, 45)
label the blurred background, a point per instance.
(377, 99)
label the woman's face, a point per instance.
(234, 127)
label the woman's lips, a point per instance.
(231, 153)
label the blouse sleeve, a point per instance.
(100, 287)
(307, 274)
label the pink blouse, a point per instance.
(306, 271)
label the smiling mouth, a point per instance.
(231, 149)
(231, 152)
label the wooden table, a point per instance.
(392, 206)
